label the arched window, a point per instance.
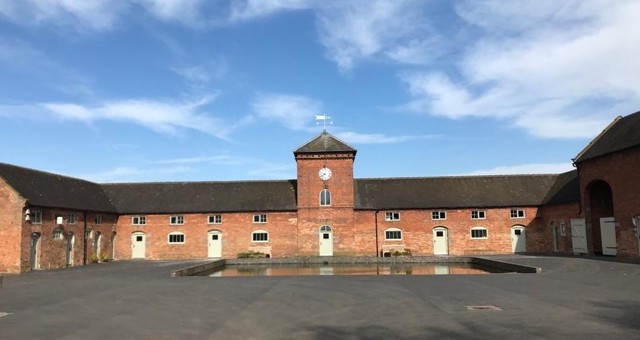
(57, 234)
(479, 233)
(325, 228)
(260, 236)
(325, 198)
(393, 234)
(176, 237)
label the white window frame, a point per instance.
(97, 219)
(259, 232)
(259, 218)
(36, 217)
(392, 216)
(214, 219)
(479, 214)
(176, 219)
(517, 212)
(325, 198)
(439, 215)
(486, 233)
(392, 230)
(139, 220)
(176, 233)
(71, 219)
(58, 234)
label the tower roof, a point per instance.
(324, 143)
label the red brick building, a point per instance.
(52, 221)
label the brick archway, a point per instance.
(600, 205)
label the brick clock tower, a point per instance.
(325, 197)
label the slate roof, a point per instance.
(193, 197)
(453, 192)
(566, 189)
(324, 143)
(623, 133)
(56, 191)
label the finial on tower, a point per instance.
(324, 118)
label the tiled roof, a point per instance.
(566, 189)
(56, 191)
(621, 134)
(453, 192)
(193, 197)
(324, 143)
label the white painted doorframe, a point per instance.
(518, 239)
(326, 241)
(440, 241)
(214, 243)
(138, 245)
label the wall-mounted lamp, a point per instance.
(27, 215)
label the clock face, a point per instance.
(325, 173)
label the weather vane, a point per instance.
(324, 118)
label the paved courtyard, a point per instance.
(571, 298)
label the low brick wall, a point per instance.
(199, 268)
(506, 266)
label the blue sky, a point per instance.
(162, 90)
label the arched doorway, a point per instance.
(440, 241)
(326, 241)
(96, 244)
(34, 249)
(214, 243)
(518, 239)
(603, 234)
(71, 238)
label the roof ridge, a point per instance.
(465, 176)
(47, 172)
(200, 182)
(597, 138)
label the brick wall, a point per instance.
(11, 218)
(621, 171)
(541, 238)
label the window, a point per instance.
(57, 234)
(439, 215)
(325, 198)
(393, 234)
(176, 219)
(71, 218)
(260, 218)
(260, 236)
(98, 219)
(138, 220)
(478, 214)
(392, 216)
(176, 238)
(37, 217)
(215, 219)
(517, 213)
(479, 232)
(563, 231)
(88, 233)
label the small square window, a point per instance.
(98, 219)
(517, 213)
(57, 234)
(138, 220)
(215, 219)
(36, 217)
(176, 219)
(392, 216)
(71, 218)
(260, 218)
(478, 214)
(439, 215)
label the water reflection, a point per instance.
(341, 269)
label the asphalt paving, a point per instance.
(570, 298)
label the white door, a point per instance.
(214, 244)
(70, 240)
(608, 234)
(579, 236)
(326, 241)
(518, 239)
(440, 241)
(138, 245)
(33, 258)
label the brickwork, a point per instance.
(541, 238)
(620, 171)
(11, 218)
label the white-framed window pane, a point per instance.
(138, 220)
(479, 233)
(57, 234)
(517, 213)
(177, 219)
(392, 216)
(393, 235)
(439, 215)
(37, 217)
(176, 238)
(98, 219)
(260, 236)
(71, 218)
(215, 219)
(260, 218)
(325, 197)
(478, 214)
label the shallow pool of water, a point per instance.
(352, 269)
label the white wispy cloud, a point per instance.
(293, 111)
(533, 168)
(377, 138)
(557, 70)
(255, 9)
(268, 170)
(134, 174)
(220, 159)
